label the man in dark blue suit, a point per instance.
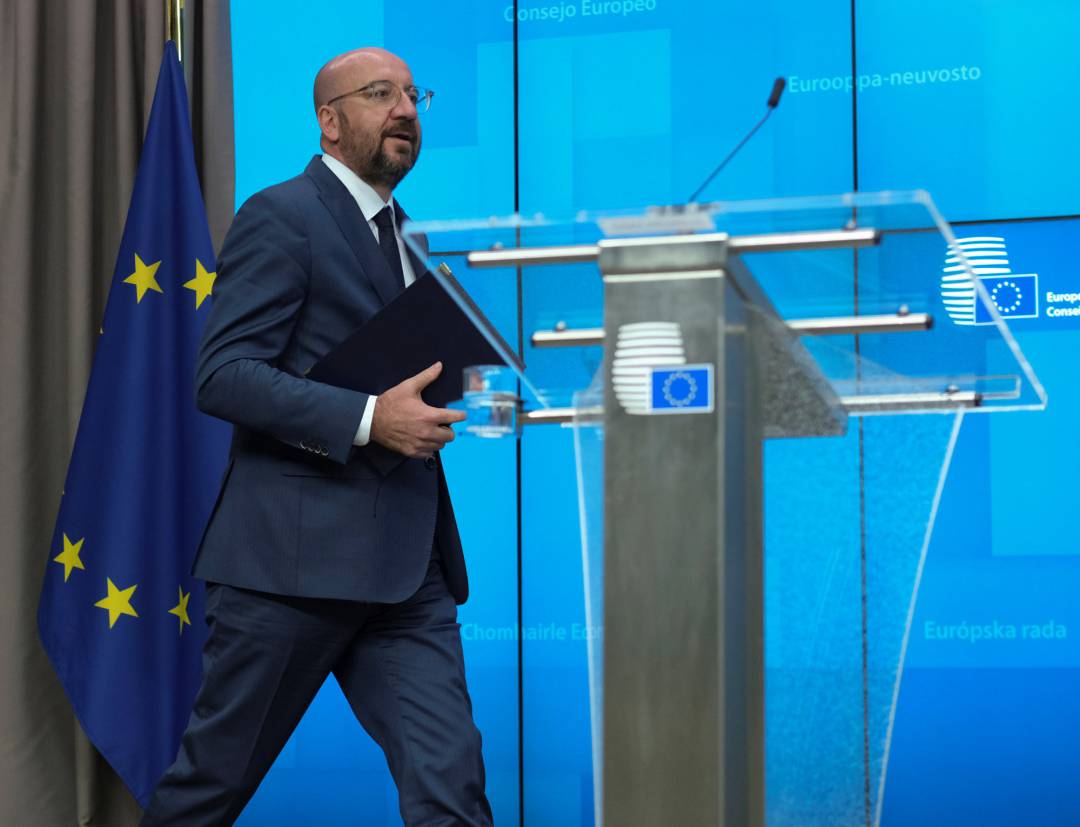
(333, 547)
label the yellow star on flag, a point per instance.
(70, 556)
(143, 278)
(202, 284)
(117, 602)
(180, 609)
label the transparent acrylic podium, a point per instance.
(759, 459)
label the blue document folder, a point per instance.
(424, 324)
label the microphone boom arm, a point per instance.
(774, 99)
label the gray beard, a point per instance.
(383, 169)
(372, 163)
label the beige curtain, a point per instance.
(76, 82)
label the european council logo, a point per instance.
(649, 373)
(1015, 295)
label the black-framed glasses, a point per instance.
(386, 95)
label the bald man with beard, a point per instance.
(333, 547)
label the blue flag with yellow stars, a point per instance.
(120, 614)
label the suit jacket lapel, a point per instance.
(350, 220)
(342, 206)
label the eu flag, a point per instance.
(120, 615)
(1015, 295)
(682, 389)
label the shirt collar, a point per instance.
(369, 201)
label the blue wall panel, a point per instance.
(972, 104)
(991, 747)
(557, 755)
(994, 641)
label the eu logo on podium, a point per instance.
(682, 389)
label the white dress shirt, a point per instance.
(370, 204)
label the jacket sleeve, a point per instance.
(262, 282)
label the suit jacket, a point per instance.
(301, 510)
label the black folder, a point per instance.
(422, 325)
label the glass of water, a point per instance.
(490, 401)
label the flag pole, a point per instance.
(174, 25)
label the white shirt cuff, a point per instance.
(363, 433)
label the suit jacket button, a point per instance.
(429, 463)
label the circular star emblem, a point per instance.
(680, 389)
(1007, 296)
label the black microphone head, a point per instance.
(777, 91)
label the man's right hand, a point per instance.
(403, 422)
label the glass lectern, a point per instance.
(781, 386)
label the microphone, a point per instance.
(777, 90)
(774, 99)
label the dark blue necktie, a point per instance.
(384, 220)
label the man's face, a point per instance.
(378, 143)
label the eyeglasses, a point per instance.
(387, 95)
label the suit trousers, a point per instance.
(399, 665)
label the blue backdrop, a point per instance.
(633, 105)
